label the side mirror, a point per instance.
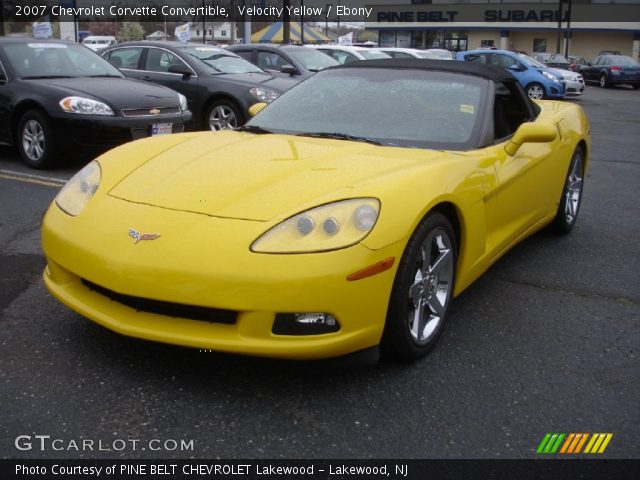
(531, 132)
(181, 69)
(515, 67)
(290, 69)
(256, 108)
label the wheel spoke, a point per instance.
(415, 292)
(439, 262)
(418, 321)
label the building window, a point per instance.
(223, 33)
(539, 44)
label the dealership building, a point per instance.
(586, 26)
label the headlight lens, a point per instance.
(263, 94)
(184, 106)
(327, 227)
(550, 76)
(86, 106)
(75, 195)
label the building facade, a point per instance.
(577, 27)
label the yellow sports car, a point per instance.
(342, 219)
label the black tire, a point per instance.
(536, 91)
(571, 198)
(404, 337)
(604, 81)
(636, 86)
(227, 113)
(35, 140)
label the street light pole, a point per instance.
(568, 36)
(560, 4)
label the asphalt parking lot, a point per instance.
(547, 341)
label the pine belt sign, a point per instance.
(506, 12)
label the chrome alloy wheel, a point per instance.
(33, 140)
(574, 190)
(535, 92)
(431, 291)
(222, 117)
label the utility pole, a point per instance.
(560, 5)
(568, 35)
(286, 27)
(302, 22)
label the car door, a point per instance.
(272, 62)
(529, 182)
(155, 68)
(127, 60)
(591, 72)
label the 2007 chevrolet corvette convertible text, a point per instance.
(342, 217)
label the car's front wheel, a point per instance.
(422, 290)
(35, 140)
(569, 205)
(223, 115)
(535, 91)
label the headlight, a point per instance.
(75, 195)
(183, 102)
(328, 227)
(85, 105)
(263, 94)
(550, 76)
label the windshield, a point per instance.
(557, 58)
(442, 54)
(530, 62)
(312, 59)
(410, 108)
(33, 60)
(216, 61)
(373, 54)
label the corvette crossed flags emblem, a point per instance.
(137, 236)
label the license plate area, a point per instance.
(161, 129)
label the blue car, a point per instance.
(538, 80)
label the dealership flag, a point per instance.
(183, 32)
(42, 30)
(346, 39)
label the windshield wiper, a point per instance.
(36, 77)
(104, 75)
(252, 129)
(342, 136)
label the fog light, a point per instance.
(314, 323)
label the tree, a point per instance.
(102, 28)
(130, 31)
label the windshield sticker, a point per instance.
(466, 108)
(205, 49)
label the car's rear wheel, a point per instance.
(422, 290)
(223, 115)
(35, 140)
(535, 91)
(571, 198)
(604, 81)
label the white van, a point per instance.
(98, 42)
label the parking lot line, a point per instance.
(31, 178)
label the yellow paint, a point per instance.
(211, 195)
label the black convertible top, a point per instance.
(489, 72)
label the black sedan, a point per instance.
(219, 85)
(293, 61)
(61, 98)
(610, 70)
(553, 60)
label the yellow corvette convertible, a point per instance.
(342, 219)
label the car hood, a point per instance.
(265, 80)
(259, 177)
(117, 92)
(562, 73)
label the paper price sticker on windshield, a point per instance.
(467, 108)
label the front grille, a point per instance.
(169, 309)
(146, 112)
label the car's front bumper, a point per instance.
(204, 261)
(574, 88)
(93, 134)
